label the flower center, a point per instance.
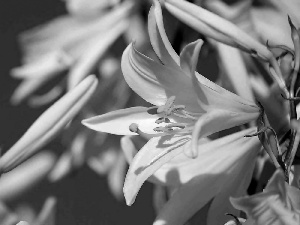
(170, 109)
(167, 112)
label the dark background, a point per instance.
(83, 198)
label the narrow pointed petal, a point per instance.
(218, 120)
(189, 57)
(20, 180)
(49, 124)
(140, 80)
(221, 166)
(235, 69)
(155, 82)
(119, 121)
(212, 96)
(151, 157)
(159, 39)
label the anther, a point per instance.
(169, 127)
(162, 120)
(177, 125)
(135, 129)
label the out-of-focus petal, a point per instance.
(49, 65)
(23, 223)
(47, 214)
(49, 124)
(82, 8)
(157, 152)
(222, 169)
(18, 181)
(116, 175)
(70, 160)
(275, 29)
(128, 148)
(216, 27)
(235, 70)
(90, 58)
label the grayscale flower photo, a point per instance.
(150, 112)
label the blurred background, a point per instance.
(83, 197)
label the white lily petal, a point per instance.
(218, 120)
(157, 152)
(212, 96)
(142, 82)
(159, 39)
(235, 70)
(187, 168)
(18, 181)
(49, 124)
(223, 162)
(119, 121)
(155, 82)
(189, 57)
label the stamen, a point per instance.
(162, 120)
(167, 106)
(178, 125)
(169, 127)
(135, 129)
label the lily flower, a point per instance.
(222, 169)
(222, 30)
(278, 204)
(185, 102)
